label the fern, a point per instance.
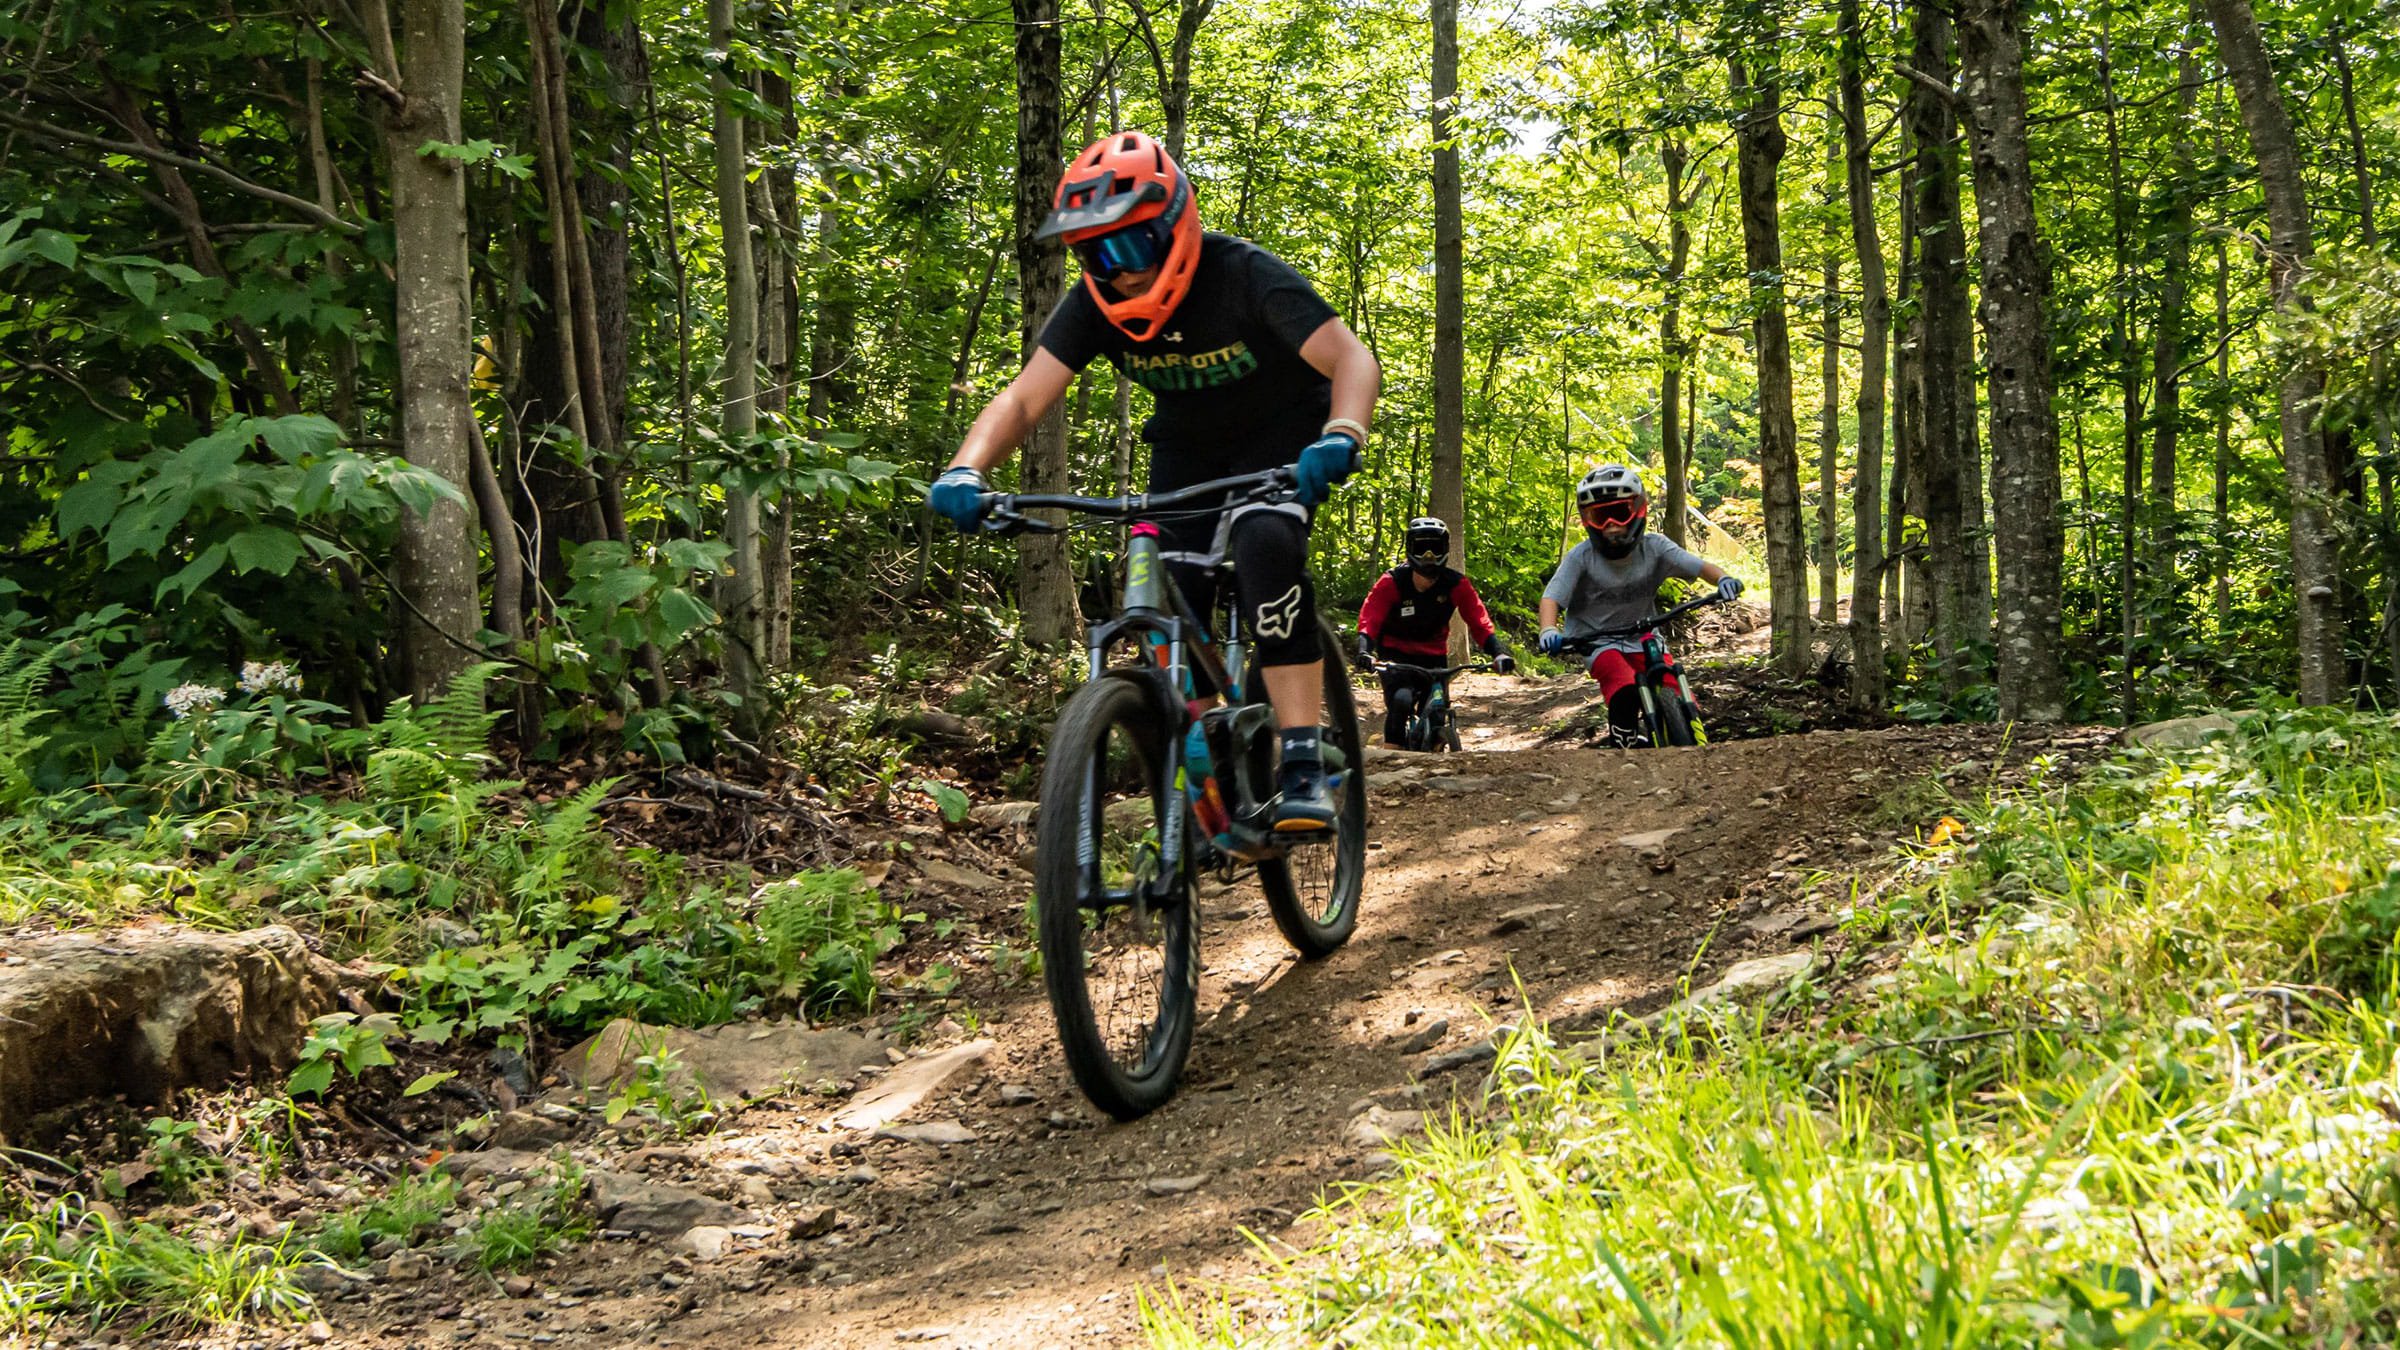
(419, 751)
(24, 674)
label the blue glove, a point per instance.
(1729, 589)
(959, 495)
(1553, 642)
(1329, 459)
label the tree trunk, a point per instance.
(779, 328)
(2129, 385)
(1673, 352)
(433, 333)
(1759, 137)
(2031, 546)
(2166, 351)
(1446, 493)
(1875, 317)
(2223, 503)
(740, 595)
(1045, 581)
(1829, 407)
(1940, 448)
(2316, 563)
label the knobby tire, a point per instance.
(1129, 1066)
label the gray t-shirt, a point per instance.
(1595, 593)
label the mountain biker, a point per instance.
(1610, 580)
(1251, 369)
(1406, 621)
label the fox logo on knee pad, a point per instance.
(1279, 617)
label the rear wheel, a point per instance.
(1312, 890)
(1119, 948)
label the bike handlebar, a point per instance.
(1650, 624)
(1437, 672)
(1007, 515)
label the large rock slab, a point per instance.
(2181, 733)
(739, 1060)
(143, 1012)
(639, 1205)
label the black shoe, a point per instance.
(1628, 738)
(1304, 806)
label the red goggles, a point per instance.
(1624, 511)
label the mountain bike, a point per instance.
(1151, 781)
(1669, 715)
(1432, 723)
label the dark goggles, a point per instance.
(1623, 511)
(1136, 248)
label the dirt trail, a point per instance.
(1501, 865)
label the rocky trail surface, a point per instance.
(962, 1194)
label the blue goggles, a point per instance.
(1136, 248)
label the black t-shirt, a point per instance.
(1233, 394)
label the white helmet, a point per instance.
(1610, 483)
(1613, 496)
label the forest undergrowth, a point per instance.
(2122, 1068)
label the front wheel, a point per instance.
(1120, 951)
(1676, 724)
(1313, 889)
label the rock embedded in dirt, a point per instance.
(141, 1013)
(1458, 783)
(937, 1132)
(1004, 815)
(1376, 1127)
(1163, 1186)
(738, 1060)
(935, 726)
(528, 1130)
(638, 1205)
(1648, 839)
(707, 1241)
(961, 878)
(1017, 1094)
(902, 1090)
(1748, 980)
(1425, 1038)
(406, 1267)
(2181, 733)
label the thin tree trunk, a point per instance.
(2224, 465)
(1045, 582)
(1875, 316)
(2129, 384)
(1941, 444)
(2316, 563)
(433, 333)
(1760, 144)
(2369, 235)
(2166, 352)
(2031, 547)
(1829, 408)
(1674, 157)
(1446, 494)
(741, 593)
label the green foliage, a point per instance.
(340, 1040)
(413, 1209)
(68, 1260)
(532, 1225)
(2106, 1097)
(180, 1161)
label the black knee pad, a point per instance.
(1625, 710)
(1278, 602)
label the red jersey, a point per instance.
(1400, 618)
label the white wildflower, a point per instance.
(268, 677)
(186, 699)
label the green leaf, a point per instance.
(681, 612)
(265, 548)
(953, 803)
(311, 1079)
(622, 587)
(195, 572)
(427, 1082)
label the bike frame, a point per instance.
(1154, 614)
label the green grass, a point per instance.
(66, 1263)
(518, 1234)
(2132, 1084)
(413, 1209)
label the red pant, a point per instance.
(1615, 670)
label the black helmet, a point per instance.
(1428, 543)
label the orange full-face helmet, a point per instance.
(1124, 205)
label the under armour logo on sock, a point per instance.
(1279, 617)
